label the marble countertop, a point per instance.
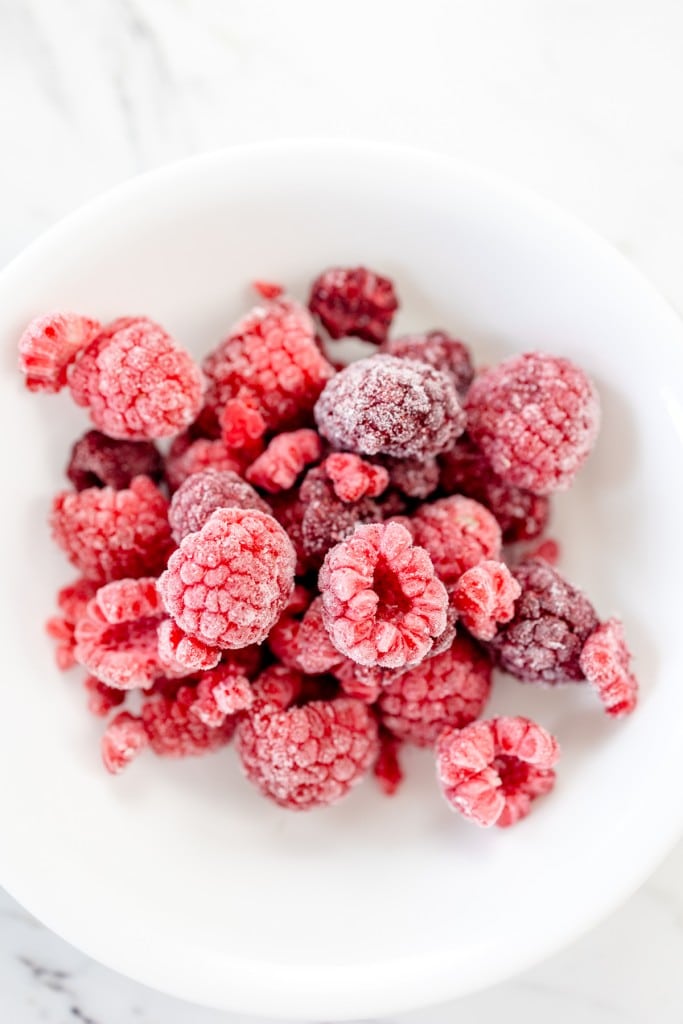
(577, 99)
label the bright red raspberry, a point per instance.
(110, 534)
(202, 493)
(184, 460)
(387, 767)
(308, 756)
(353, 478)
(228, 583)
(325, 520)
(72, 601)
(241, 426)
(180, 654)
(102, 698)
(175, 730)
(384, 405)
(536, 418)
(606, 663)
(137, 383)
(492, 771)
(552, 621)
(457, 533)
(123, 739)
(283, 461)
(354, 301)
(415, 478)
(438, 349)
(485, 596)
(49, 345)
(449, 689)
(100, 461)
(220, 693)
(383, 604)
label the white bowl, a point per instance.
(178, 873)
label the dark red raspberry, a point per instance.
(228, 583)
(536, 418)
(289, 511)
(49, 345)
(383, 604)
(102, 698)
(552, 621)
(137, 383)
(325, 519)
(283, 461)
(355, 302)
(202, 493)
(492, 771)
(438, 349)
(110, 534)
(72, 601)
(353, 478)
(384, 405)
(449, 689)
(180, 654)
(606, 662)
(100, 461)
(186, 460)
(457, 533)
(123, 739)
(415, 478)
(308, 756)
(484, 597)
(387, 767)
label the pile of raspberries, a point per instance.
(326, 562)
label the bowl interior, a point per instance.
(177, 872)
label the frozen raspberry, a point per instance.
(317, 653)
(72, 601)
(100, 461)
(123, 739)
(605, 661)
(220, 693)
(354, 301)
(547, 550)
(308, 756)
(362, 681)
(276, 688)
(438, 349)
(383, 604)
(180, 654)
(228, 583)
(415, 478)
(102, 698)
(353, 478)
(552, 621)
(175, 730)
(202, 493)
(457, 533)
(241, 426)
(110, 534)
(285, 458)
(387, 767)
(536, 418)
(449, 689)
(200, 456)
(492, 771)
(49, 345)
(325, 520)
(521, 514)
(269, 363)
(391, 406)
(485, 596)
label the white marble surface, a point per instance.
(578, 98)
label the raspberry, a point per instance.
(110, 534)
(308, 756)
(72, 601)
(220, 693)
(102, 698)
(392, 406)
(228, 583)
(354, 301)
(383, 604)
(180, 654)
(123, 739)
(276, 688)
(552, 621)
(536, 418)
(353, 478)
(457, 533)
(492, 771)
(449, 689)
(184, 461)
(415, 478)
(440, 350)
(285, 458)
(175, 730)
(270, 363)
(387, 768)
(521, 514)
(288, 510)
(317, 653)
(202, 493)
(100, 461)
(484, 596)
(136, 381)
(241, 426)
(49, 345)
(605, 661)
(325, 520)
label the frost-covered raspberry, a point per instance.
(221, 692)
(536, 418)
(110, 534)
(383, 604)
(283, 461)
(308, 756)
(228, 583)
(353, 478)
(354, 301)
(186, 460)
(492, 771)
(457, 533)
(325, 520)
(387, 767)
(49, 345)
(137, 382)
(100, 461)
(102, 698)
(606, 662)
(202, 493)
(552, 621)
(438, 349)
(449, 689)
(123, 739)
(180, 654)
(174, 729)
(276, 688)
(415, 478)
(484, 597)
(72, 601)
(391, 406)
(317, 653)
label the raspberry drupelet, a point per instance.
(605, 661)
(438, 349)
(457, 533)
(536, 418)
(202, 493)
(484, 597)
(492, 771)
(49, 345)
(100, 461)
(354, 301)
(284, 460)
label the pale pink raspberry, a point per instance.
(485, 596)
(605, 661)
(353, 478)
